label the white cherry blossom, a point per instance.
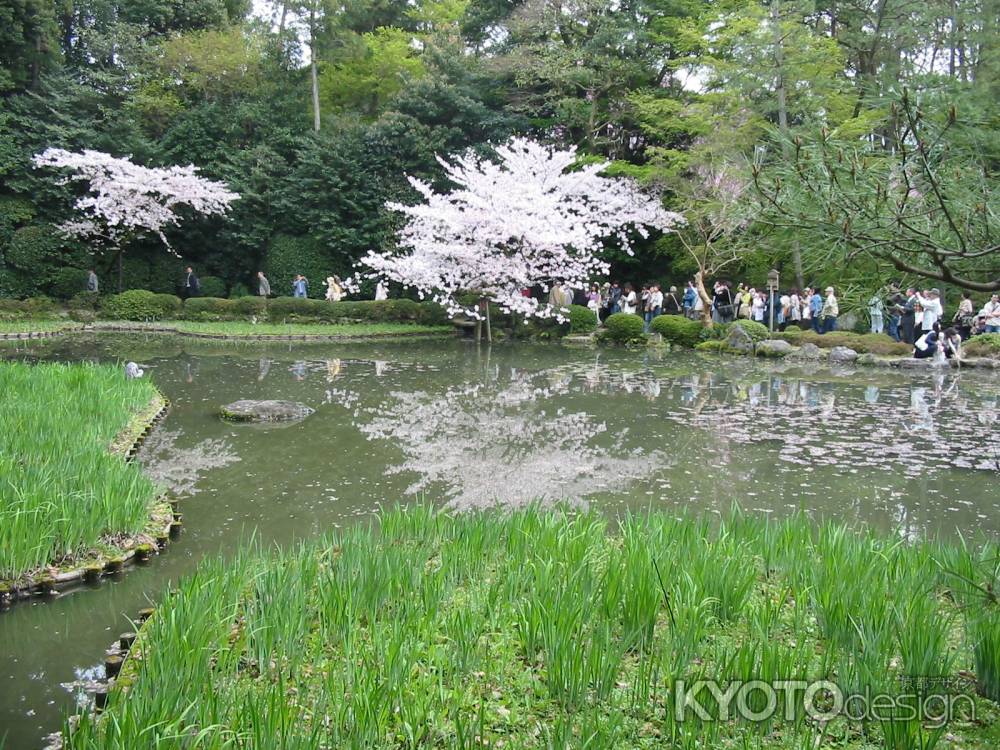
(124, 199)
(533, 216)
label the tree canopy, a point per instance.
(316, 114)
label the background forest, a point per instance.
(733, 110)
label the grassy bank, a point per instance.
(345, 330)
(65, 488)
(37, 326)
(541, 630)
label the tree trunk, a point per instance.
(284, 16)
(312, 68)
(706, 301)
(121, 252)
(781, 94)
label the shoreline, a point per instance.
(162, 525)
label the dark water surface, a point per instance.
(468, 428)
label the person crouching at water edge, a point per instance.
(940, 346)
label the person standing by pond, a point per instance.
(907, 321)
(876, 308)
(723, 303)
(964, 316)
(263, 285)
(628, 299)
(92, 283)
(830, 311)
(613, 302)
(654, 305)
(930, 304)
(191, 284)
(671, 305)
(991, 314)
(816, 310)
(690, 297)
(300, 287)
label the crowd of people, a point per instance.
(913, 316)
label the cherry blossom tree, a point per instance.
(532, 216)
(124, 199)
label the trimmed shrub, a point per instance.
(212, 286)
(250, 306)
(581, 319)
(140, 304)
(792, 334)
(622, 328)
(209, 309)
(984, 345)
(677, 329)
(756, 331)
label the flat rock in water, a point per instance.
(249, 410)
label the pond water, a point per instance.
(469, 427)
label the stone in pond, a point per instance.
(249, 410)
(773, 348)
(739, 340)
(842, 355)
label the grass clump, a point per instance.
(984, 345)
(63, 490)
(543, 629)
(677, 329)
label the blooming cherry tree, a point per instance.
(520, 221)
(124, 199)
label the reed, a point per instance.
(62, 491)
(537, 629)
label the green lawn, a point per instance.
(544, 630)
(64, 485)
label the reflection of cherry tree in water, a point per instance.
(500, 442)
(179, 469)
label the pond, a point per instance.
(471, 427)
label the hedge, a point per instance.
(678, 330)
